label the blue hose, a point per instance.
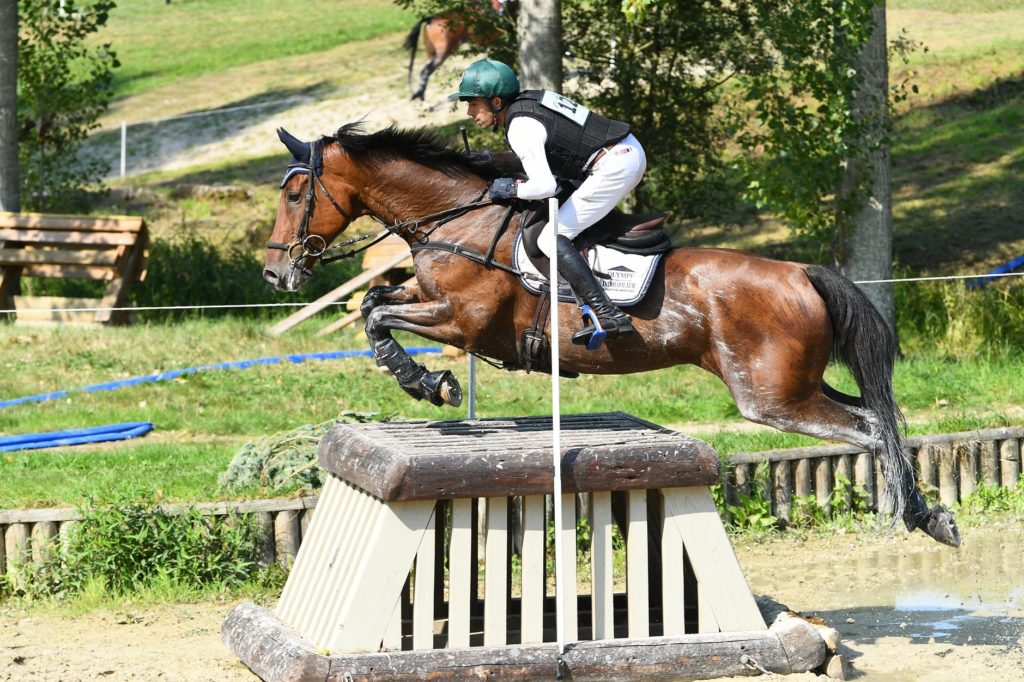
(94, 434)
(235, 364)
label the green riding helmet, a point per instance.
(487, 78)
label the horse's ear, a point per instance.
(298, 148)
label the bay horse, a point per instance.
(443, 33)
(766, 328)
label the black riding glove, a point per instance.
(503, 189)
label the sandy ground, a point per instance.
(907, 610)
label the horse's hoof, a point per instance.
(941, 525)
(441, 388)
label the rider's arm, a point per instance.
(527, 136)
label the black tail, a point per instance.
(411, 41)
(864, 343)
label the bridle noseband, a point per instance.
(309, 245)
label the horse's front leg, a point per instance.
(379, 295)
(430, 319)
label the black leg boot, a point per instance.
(576, 272)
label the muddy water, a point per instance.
(941, 613)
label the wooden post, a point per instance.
(744, 474)
(286, 537)
(928, 461)
(823, 482)
(863, 476)
(266, 551)
(802, 478)
(16, 546)
(1009, 462)
(43, 533)
(989, 455)
(844, 468)
(967, 459)
(947, 474)
(782, 491)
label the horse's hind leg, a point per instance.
(425, 73)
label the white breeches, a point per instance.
(613, 176)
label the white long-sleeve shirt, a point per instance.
(526, 137)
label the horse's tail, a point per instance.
(411, 41)
(864, 343)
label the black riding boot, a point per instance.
(588, 290)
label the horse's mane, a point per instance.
(425, 147)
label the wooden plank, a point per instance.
(460, 573)
(569, 588)
(72, 238)
(102, 273)
(532, 629)
(423, 590)
(56, 257)
(331, 296)
(54, 221)
(692, 513)
(638, 605)
(673, 602)
(602, 591)
(496, 573)
(385, 251)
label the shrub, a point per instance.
(131, 544)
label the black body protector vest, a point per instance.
(574, 132)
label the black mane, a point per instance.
(425, 147)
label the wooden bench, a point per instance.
(112, 249)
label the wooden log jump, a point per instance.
(390, 582)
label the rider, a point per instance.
(555, 136)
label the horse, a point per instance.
(766, 328)
(443, 33)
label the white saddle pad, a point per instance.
(629, 275)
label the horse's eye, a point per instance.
(293, 197)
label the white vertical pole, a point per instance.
(556, 426)
(124, 146)
(472, 386)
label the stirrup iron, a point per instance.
(598, 335)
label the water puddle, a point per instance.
(904, 586)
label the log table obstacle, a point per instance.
(430, 557)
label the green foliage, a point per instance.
(285, 461)
(130, 543)
(64, 85)
(987, 499)
(961, 322)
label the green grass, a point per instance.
(160, 43)
(202, 419)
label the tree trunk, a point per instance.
(9, 179)
(865, 240)
(540, 44)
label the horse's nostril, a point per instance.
(270, 275)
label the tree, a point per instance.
(539, 29)
(9, 182)
(864, 236)
(64, 84)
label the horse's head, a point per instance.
(303, 230)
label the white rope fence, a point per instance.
(226, 306)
